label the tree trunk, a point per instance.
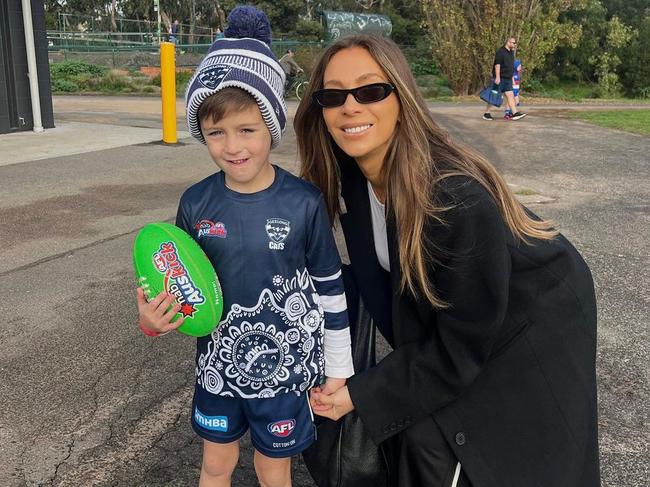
(113, 12)
(192, 21)
(220, 14)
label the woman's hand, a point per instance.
(333, 406)
(155, 316)
(332, 384)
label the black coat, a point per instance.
(508, 370)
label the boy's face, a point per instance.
(240, 144)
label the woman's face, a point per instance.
(363, 131)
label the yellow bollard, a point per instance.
(168, 91)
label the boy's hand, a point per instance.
(153, 315)
(331, 386)
(333, 406)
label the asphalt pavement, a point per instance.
(87, 400)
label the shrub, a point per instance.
(551, 79)
(182, 78)
(309, 30)
(149, 89)
(85, 81)
(534, 85)
(114, 82)
(424, 66)
(426, 80)
(64, 85)
(429, 80)
(67, 69)
(75, 76)
(435, 91)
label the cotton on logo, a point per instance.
(282, 428)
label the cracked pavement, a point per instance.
(87, 400)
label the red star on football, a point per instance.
(187, 309)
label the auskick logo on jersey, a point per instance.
(283, 428)
(177, 281)
(212, 76)
(208, 228)
(278, 230)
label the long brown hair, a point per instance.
(419, 157)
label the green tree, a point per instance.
(607, 60)
(464, 34)
(308, 30)
(52, 10)
(635, 69)
(594, 58)
(633, 12)
(283, 14)
(407, 19)
(572, 62)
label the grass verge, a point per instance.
(636, 121)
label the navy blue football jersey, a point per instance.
(280, 273)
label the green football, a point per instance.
(166, 258)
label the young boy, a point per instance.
(516, 86)
(268, 236)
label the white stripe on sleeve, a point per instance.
(338, 354)
(334, 304)
(327, 278)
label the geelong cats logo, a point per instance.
(277, 229)
(212, 76)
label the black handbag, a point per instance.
(343, 454)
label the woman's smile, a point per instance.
(356, 129)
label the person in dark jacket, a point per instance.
(490, 311)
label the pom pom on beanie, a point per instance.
(247, 21)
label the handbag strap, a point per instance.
(362, 326)
(363, 340)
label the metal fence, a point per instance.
(88, 41)
(133, 50)
(100, 29)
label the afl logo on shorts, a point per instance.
(282, 428)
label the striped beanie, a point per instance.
(243, 60)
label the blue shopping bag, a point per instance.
(492, 95)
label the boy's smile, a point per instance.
(240, 144)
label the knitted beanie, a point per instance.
(242, 59)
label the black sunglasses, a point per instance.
(330, 98)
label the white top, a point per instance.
(378, 213)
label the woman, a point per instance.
(490, 312)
